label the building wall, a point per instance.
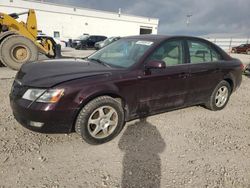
(72, 22)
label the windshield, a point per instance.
(122, 53)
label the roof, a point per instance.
(162, 37)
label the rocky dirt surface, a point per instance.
(191, 147)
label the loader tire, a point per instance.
(15, 50)
(4, 35)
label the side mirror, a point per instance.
(156, 64)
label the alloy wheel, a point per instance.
(221, 96)
(102, 122)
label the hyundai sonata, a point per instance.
(131, 78)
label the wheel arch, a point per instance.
(231, 83)
(112, 94)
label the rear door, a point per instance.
(204, 70)
(161, 89)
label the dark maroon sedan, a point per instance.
(243, 48)
(132, 78)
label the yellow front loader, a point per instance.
(19, 43)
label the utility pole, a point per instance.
(188, 19)
(119, 12)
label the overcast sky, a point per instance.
(210, 17)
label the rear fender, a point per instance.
(230, 78)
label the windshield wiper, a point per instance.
(99, 61)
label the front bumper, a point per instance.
(53, 120)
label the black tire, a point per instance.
(9, 51)
(211, 104)
(1, 64)
(82, 125)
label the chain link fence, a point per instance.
(227, 43)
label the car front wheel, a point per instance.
(220, 96)
(100, 120)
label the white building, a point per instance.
(71, 22)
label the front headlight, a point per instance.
(42, 95)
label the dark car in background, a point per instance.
(106, 42)
(89, 41)
(73, 43)
(131, 78)
(243, 48)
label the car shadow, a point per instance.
(142, 143)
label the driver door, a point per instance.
(162, 89)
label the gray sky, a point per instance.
(210, 17)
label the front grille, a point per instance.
(18, 89)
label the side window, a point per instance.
(201, 52)
(171, 52)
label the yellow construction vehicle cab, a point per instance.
(18, 40)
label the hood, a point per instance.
(48, 73)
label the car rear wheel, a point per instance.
(220, 96)
(100, 120)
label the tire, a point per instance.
(96, 127)
(2, 37)
(247, 70)
(15, 50)
(234, 51)
(5, 34)
(1, 64)
(248, 51)
(214, 100)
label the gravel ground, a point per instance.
(191, 147)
